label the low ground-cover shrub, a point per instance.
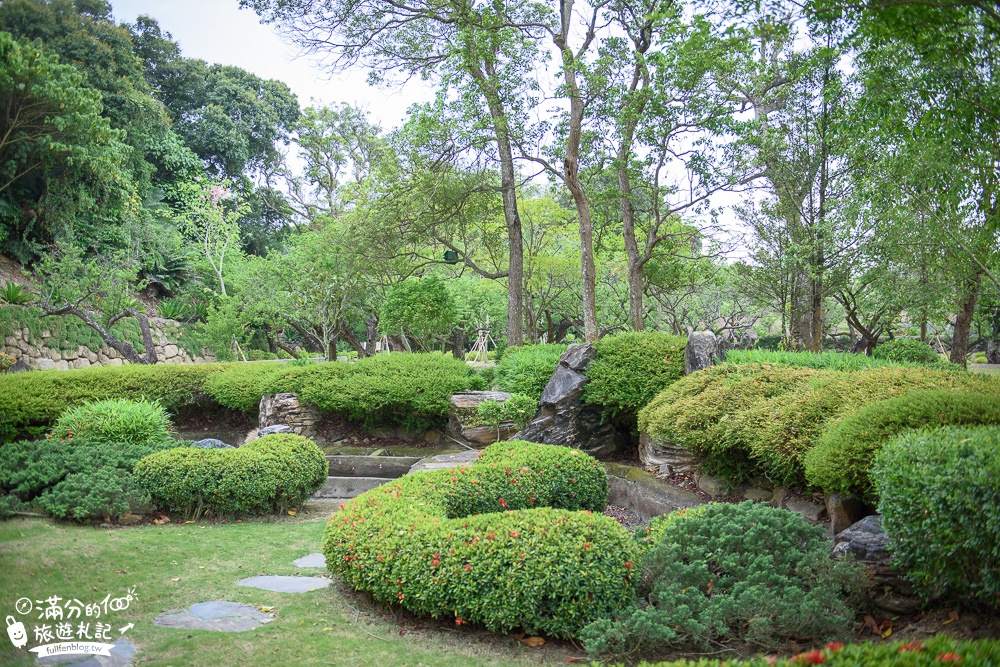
(630, 369)
(906, 350)
(933, 652)
(527, 369)
(723, 572)
(83, 470)
(845, 452)
(266, 475)
(939, 495)
(760, 420)
(413, 542)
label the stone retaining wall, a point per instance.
(38, 355)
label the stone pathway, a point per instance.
(284, 584)
(445, 461)
(122, 652)
(215, 615)
(312, 560)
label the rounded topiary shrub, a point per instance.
(517, 540)
(116, 420)
(845, 453)
(630, 369)
(906, 350)
(266, 475)
(939, 495)
(721, 572)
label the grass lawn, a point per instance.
(174, 565)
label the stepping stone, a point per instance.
(122, 651)
(215, 615)
(312, 560)
(465, 458)
(282, 584)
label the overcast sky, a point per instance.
(217, 31)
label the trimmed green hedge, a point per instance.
(407, 389)
(630, 369)
(527, 369)
(828, 361)
(759, 420)
(933, 652)
(550, 570)
(939, 496)
(266, 475)
(33, 401)
(846, 451)
(723, 571)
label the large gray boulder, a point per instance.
(563, 418)
(867, 543)
(701, 351)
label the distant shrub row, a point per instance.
(759, 420)
(407, 389)
(894, 353)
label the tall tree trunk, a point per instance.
(484, 77)
(963, 319)
(818, 316)
(571, 173)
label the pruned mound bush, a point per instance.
(721, 572)
(517, 540)
(759, 420)
(266, 475)
(846, 451)
(906, 350)
(632, 368)
(939, 495)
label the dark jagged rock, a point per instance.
(867, 543)
(564, 419)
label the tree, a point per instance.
(420, 308)
(479, 49)
(100, 292)
(211, 223)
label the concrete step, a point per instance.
(389, 467)
(348, 487)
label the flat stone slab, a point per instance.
(312, 560)
(465, 458)
(645, 495)
(285, 584)
(122, 651)
(215, 615)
